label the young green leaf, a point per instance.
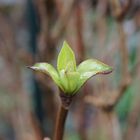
(66, 59)
(73, 80)
(91, 67)
(47, 69)
(67, 76)
(69, 81)
(63, 81)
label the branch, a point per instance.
(133, 120)
(60, 123)
(108, 103)
(42, 12)
(104, 102)
(59, 27)
(119, 12)
(79, 27)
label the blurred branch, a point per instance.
(133, 120)
(25, 56)
(79, 27)
(110, 102)
(11, 54)
(45, 10)
(126, 78)
(8, 45)
(59, 6)
(101, 23)
(60, 25)
(44, 23)
(106, 101)
(119, 12)
(37, 129)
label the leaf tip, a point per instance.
(66, 57)
(36, 66)
(107, 71)
(31, 67)
(66, 45)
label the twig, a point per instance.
(79, 26)
(43, 17)
(59, 27)
(110, 125)
(126, 78)
(107, 102)
(119, 12)
(60, 122)
(66, 101)
(132, 122)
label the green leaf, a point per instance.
(66, 59)
(63, 81)
(91, 67)
(67, 76)
(69, 81)
(73, 80)
(47, 69)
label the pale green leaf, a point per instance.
(47, 69)
(73, 80)
(91, 67)
(69, 81)
(66, 59)
(63, 80)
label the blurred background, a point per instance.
(107, 107)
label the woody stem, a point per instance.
(60, 123)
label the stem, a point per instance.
(60, 123)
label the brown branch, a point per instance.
(132, 122)
(46, 12)
(126, 78)
(118, 11)
(44, 30)
(35, 126)
(110, 125)
(60, 123)
(25, 56)
(66, 101)
(59, 27)
(43, 16)
(59, 6)
(106, 102)
(79, 27)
